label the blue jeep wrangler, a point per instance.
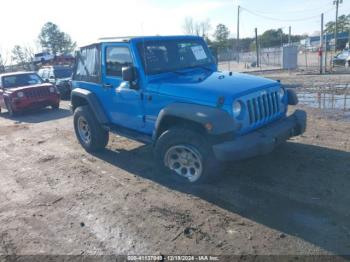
(168, 91)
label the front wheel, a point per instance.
(186, 156)
(10, 109)
(88, 130)
(55, 106)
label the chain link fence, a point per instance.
(272, 59)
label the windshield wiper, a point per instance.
(178, 72)
(202, 66)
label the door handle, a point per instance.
(107, 86)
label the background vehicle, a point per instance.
(24, 90)
(43, 57)
(168, 91)
(60, 76)
(342, 59)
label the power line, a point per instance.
(320, 9)
(284, 20)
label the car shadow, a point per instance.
(38, 115)
(300, 190)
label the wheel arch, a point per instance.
(82, 97)
(204, 119)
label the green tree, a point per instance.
(272, 37)
(221, 35)
(51, 38)
(343, 25)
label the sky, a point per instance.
(87, 20)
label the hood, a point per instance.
(23, 88)
(210, 87)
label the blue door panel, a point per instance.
(124, 105)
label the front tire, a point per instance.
(89, 132)
(10, 110)
(186, 156)
(55, 106)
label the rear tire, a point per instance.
(186, 156)
(89, 132)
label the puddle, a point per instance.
(325, 100)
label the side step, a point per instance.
(129, 133)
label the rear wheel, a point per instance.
(186, 156)
(88, 131)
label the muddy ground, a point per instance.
(57, 199)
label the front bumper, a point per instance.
(263, 140)
(32, 103)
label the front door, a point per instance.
(123, 103)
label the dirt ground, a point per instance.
(57, 199)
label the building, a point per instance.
(313, 42)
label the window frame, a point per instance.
(116, 45)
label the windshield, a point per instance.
(171, 55)
(63, 73)
(21, 80)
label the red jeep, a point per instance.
(26, 90)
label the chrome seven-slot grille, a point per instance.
(38, 92)
(263, 107)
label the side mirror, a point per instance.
(129, 74)
(46, 81)
(52, 77)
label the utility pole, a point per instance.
(336, 3)
(321, 45)
(257, 47)
(238, 49)
(325, 53)
(290, 35)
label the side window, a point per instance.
(117, 57)
(40, 73)
(51, 74)
(44, 74)
(88, 64)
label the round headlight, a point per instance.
(52, 89)
(237, 108)
(20, 94)
(281, 93)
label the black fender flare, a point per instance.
(219, 120)
(79, 94)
